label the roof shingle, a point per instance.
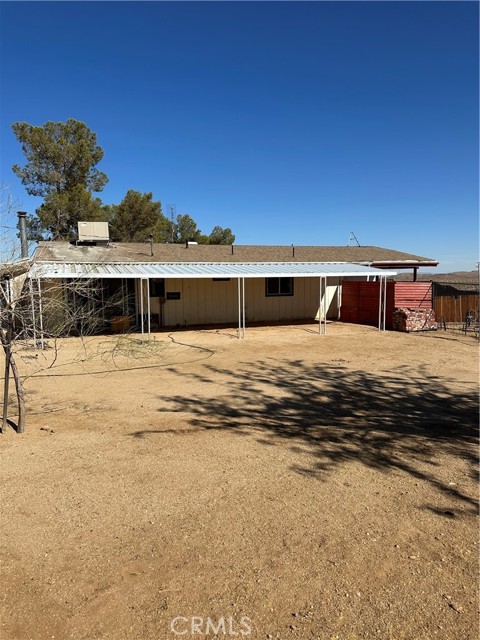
(139, 252)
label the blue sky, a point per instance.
(288, 122)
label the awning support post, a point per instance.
(145, 291)
(34, 320)
(40, 312)
(239, 310)
(379, 303)
(325, 306)
(339, 297)
(102, 302)
(320, 305)
(141, 307)
(384, 302)
(148, 309)
(243, 307)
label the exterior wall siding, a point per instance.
(204, 301)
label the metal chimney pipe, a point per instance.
(22, 226)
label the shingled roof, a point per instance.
(139, 252)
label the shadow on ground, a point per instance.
(399, 420)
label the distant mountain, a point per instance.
(463, 277)
(457, 282)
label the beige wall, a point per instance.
(204, 301)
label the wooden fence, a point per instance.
(452, 304)
(454, 308)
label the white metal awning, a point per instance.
(44, 270)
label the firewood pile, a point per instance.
(414, 320)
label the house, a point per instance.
(167, 285)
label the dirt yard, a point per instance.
(295, 485)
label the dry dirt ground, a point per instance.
(317, 486)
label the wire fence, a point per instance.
(469, 325)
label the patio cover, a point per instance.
(145, 270)
(44, 270)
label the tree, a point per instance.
(7, 340)
(186, 229)
(135, 218)
(61, 168)
(35, 318)
(139, 216)
(9, 269)
(60, 156)
(60, 212)
(164, 230)
(221, 236)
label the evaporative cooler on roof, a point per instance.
(93, 232)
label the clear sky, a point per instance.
(289, 122)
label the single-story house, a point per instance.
(169, 285)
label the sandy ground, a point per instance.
(297, 485)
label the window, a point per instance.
(279, 286)
(221, 279)
(157, 288)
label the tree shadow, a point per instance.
(399, 420)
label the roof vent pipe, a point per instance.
(150, 240)
(22, 226)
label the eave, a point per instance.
(404, 264)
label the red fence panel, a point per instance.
(360, 300)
